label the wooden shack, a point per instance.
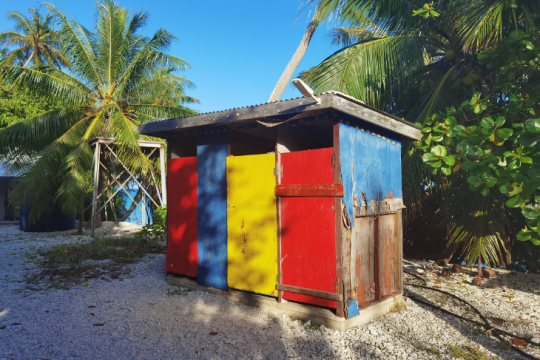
(293, 205)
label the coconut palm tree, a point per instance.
(110, 90)
(35, 39)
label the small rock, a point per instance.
(488, 273)
(446, 273)
(476, 281)
(457, 268)
(308, 323)
(536, 340)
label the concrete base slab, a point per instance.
(294, 310)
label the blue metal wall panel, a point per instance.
(370, 163)
(212, 152)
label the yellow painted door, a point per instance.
(252, 223)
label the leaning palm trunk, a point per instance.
(295, 61)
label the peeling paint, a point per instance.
(370, 168)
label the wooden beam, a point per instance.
(328, 190)
(309, 292)
(336, 162)
(377, 117)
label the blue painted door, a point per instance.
(212, 152)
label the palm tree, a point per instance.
(35, 40)
(415, 66)
(110, 90)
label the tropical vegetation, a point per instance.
(117, 80)
(422, 62)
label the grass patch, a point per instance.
(178, 292)
(398, 306)
(468, 352)
(65, 264)
(430, 350)
(314, 326)
(33, 258)
(443, 300)
(121, 250)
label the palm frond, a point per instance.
(155, 111)
(46, 81)
(370, 68)
(75, 166)
(37, 132)
(481, 227)
(481, 24)
(39, 183)
(77, 46)
(440, 98)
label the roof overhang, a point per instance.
(305, 105)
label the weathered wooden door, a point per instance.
(252, 224)
(308, 249)
(182, 216)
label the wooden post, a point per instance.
(377, 258)
(166, 185)
(337, 209)
(97, 156)
(163, 175)
(278, 210)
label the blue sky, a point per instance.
(238, 49)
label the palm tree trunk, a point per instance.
(508, 253)
(293, 63)
(448, 253)
(30, 58)
(137, 198)
(81, 213)
(479, 266)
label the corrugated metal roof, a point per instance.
(243, 107)
(330, 100)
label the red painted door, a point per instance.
(308, 249)
(182, 216)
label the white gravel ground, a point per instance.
(138, 320)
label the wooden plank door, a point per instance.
(182, 216)
(308, 250)
(252, 224)
(390, 255)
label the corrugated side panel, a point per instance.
(182, 216)
(363, 261)
(252, 223)
(212, 152)
(308, 249)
